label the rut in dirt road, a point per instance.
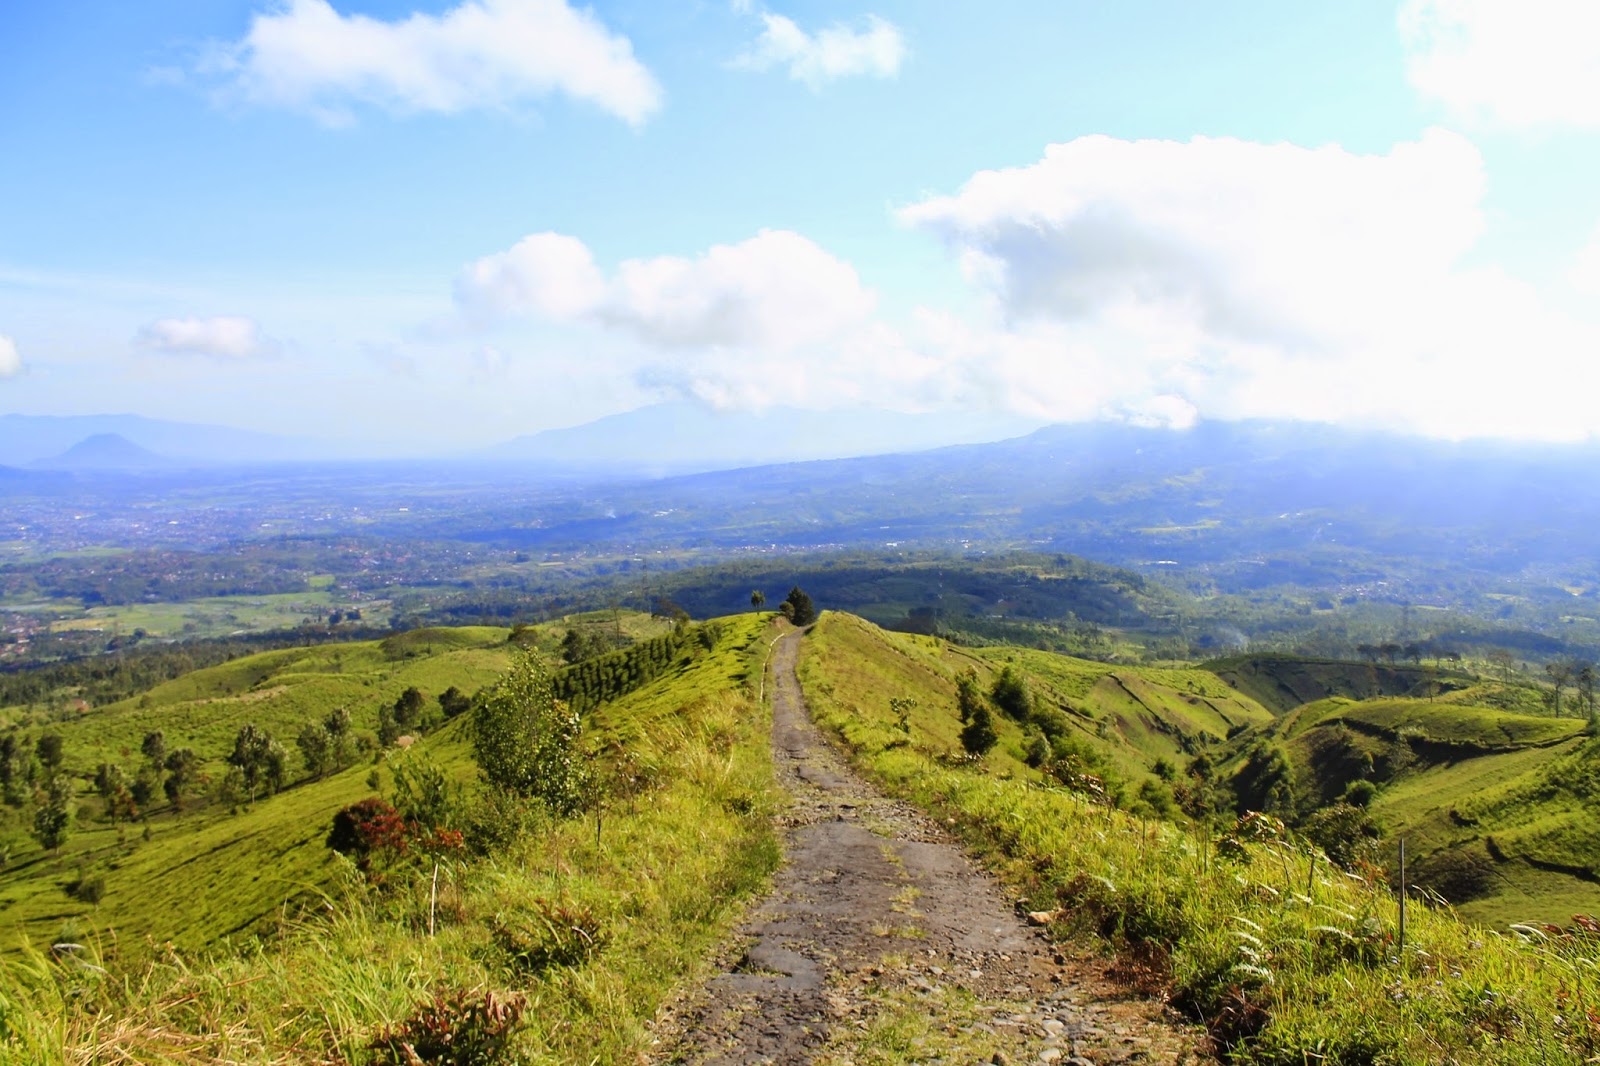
(873, 893)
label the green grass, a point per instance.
(207, 874)
(1135, 714)
(1496, 807)
(1479, 730)
(1286, 959)
(658, 878)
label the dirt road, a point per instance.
(880, 934)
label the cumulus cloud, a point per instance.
(839, 51)
(1156, 282)
(773, 293)
(10, 358)
(548, 274)
(1530, 63)
(1253, 280)
(226, 337)
(481, 54)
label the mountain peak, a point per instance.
(106, 451)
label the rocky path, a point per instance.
(882, 942)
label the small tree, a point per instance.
(388, 728)
(758, 600)
(968, 696)
(1010, 695)
(146, 785)
(408, 708)
(340, 738)
(182, 766)
(901, 707)
(526, 741)
(453, 702)
(316, 748)
(154, 747)
(259, 759)
(16, 757)
(52, 815)
(1585, 680)
(49, 751)
(111, 781)
(1560, 673)
(978, 735)
(799, 610)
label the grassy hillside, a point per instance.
(193, 876)
(1123, 719)
(1286, 959)
(1496, 807)
(1136, 714)
(565, 932)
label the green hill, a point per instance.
(1284, 682)
(578, 924)
(1283, 956)
(1495, 806)
(193, 876)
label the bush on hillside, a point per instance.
(526, 741)
(366, 829)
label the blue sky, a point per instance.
(431, 226)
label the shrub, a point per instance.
(367, 828)
(459, 1028)
(1360, 794)
(1344, 833)
(557, 934)
(90, 890)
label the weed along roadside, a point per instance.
(1283, 958)
(551, 932)
(880, 942)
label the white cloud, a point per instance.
(480, 54)
(839, 51)
(1523, 63)
(1148, 281)
(773, 293)
(1252, 280)
(548, 274)
(228, 337)
(10, 358)
(1585, 272)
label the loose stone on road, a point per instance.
(879, 930)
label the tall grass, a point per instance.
(1286, 959)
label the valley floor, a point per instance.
(882, 943)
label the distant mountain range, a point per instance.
(652, 441)
(682, 438)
